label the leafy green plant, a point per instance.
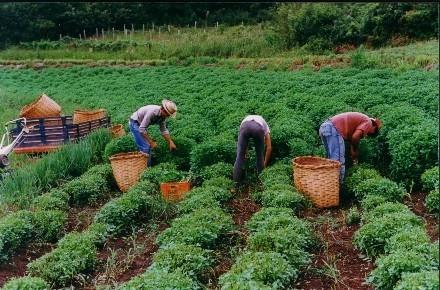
(430, 178)
(132, 208)
(217, 193)
(120, 145)
(353, 216)
(433, 201)
(180, 157)
(372, 237)
(159, 279)
(283, 198)
(407, 240)
(196, 202)
(27, 282)
(191, 260)
(357, 174)
(371, 201)
(268, 268)
(384, 209)
(203, 227)
(278, 173)
(85, 189)
(222, 147)
(271, 218)
(50, 201)
(381, 187)
(428, 280)
(49, 225)
(390, 268)
(220, 169)
(75, 254)
(16, 230)
(222, 182)
(164, 172)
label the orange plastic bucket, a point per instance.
(174, 191)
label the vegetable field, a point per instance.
(63, 222)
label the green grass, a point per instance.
(239, 46)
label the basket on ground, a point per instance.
(318, 179)
(118, 131)
(127, 168)
(81, 116)
(41, 108)
(174, 191)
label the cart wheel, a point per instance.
(4, 161)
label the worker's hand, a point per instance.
(172, 146)
(153, 144)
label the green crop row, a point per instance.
(430, 181)
(185, 253)
(48, 215)
(393, 234)
(26, 183)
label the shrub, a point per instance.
(85, 189)
(390, 268)
(191, 260)
(407, 240)
(358, 174)
(222, 182)
(180, 157)
(164, 172)
(217, 193)
(120, 214)
(279, 173)
(105, 171)
(98, 233)
(353, 217)
(433, 201)
(380, 186)
(204, 228)
(371, 238)
(289, 242)
(220, 169)
(75, 254)
(26, 283)
(158, 279)
(270, 269)
(120, 145)
(385, 208)
(196, 202)
(271, 218)
(413, 149)
(430, 179)
(428, 280)
(222, 147)
(283, 198)
(49, 225)
(15, 231)
(371, 201)
(49, 201)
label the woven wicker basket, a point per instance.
(81, 116)
(318, 179)
(118, 131)
(41, 108)
(127, 168)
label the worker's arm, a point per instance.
(354, 144)
(171, 144)
(143, 129)
(268, 143)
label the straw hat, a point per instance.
(170, 107)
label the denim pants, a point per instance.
(141, 142)
(250, 129)
(334, 145)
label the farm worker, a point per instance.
(146, 116)
(255, 127)
(350, 127)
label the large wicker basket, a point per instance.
(127, 168)
(318, 179)
(118, 131)
(41, 108)
(81, 116)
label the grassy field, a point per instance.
(241, 46)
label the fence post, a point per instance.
(60, 36)
(159, 31)
(80, 37)
(84, 34)
(102, 30)
(153, 26)
(97, 33)
(132, 28)
(169, 28)
(216, 25)
(113, 30)
(143, 29)
(195, 25)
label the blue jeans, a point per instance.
(334, 145)
(141, 142)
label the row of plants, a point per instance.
(392, 234)
(278, 242)
(47, 216)
(186, 249)
(24, 184)
(430, 181)
(72, 43)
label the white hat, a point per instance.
(170, 107)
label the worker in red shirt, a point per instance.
(350, 127)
